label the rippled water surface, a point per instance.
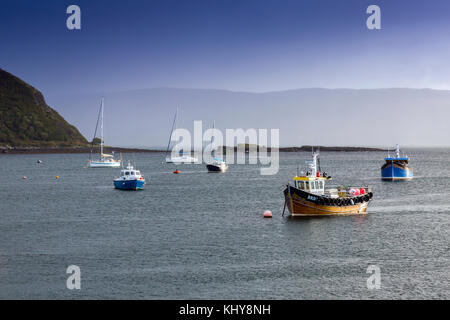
(202, 235)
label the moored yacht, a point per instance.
(181, 158)
(217, 164)
(106, 160)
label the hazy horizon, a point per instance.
(329, 117)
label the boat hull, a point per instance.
(300, 203)
(100, 164)
(215, 168)
(392, 172)
(184, 159)
(129, 184)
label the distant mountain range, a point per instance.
(330, 117)
(27, 120)
(143, 118)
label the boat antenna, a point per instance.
(318, 162)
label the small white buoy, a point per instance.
(24, 177)
(39, 161)
(267, 214)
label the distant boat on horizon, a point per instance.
(181, 158)
(396, 168)
(106, 160)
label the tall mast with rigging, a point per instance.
(101, 124)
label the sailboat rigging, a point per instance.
(181, 158)
(106, 160)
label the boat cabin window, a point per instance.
(306, 185)
(320, 184)
(127, 173)
(138, 173)
(132, 173)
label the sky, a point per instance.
(239, 45)
(255, 46)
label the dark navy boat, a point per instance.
(396, 168)
(130, 179)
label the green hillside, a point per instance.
(26, 119)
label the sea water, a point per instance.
(200, 235)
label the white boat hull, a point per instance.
(104, 164)
(183, 159)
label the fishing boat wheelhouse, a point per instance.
(396, 168)
(306, 195)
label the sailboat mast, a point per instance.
(171, 131)
(212, 146)
(101, 142)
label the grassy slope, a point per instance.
(26, 119)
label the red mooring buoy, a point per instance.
(267, 214)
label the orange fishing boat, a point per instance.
(307, 195)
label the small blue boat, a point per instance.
(396, 168)
(130, 179)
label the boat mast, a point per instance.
(212, 146)
(101, 142)
(171, 131)
(96, 127)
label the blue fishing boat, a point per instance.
(130, 179)
(396, 168)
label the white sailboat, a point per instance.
(106, 160)
(217, 164)
(181, 158)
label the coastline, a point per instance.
(107, 149)
(66, 150)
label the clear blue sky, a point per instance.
(244, 45)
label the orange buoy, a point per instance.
(267, 214)
(176, 171)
